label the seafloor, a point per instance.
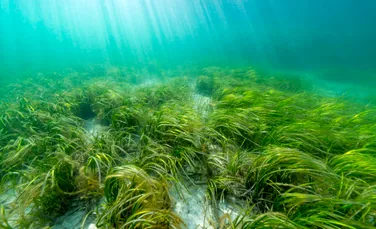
(186, 148)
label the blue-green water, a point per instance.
(332, 38)
(187, 114)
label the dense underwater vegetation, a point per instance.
(187, 114)
(279, 154)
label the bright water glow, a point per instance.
(273, 33)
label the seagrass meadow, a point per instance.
(187, 114)
(273, 150)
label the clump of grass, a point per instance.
(356, 164)
(238, 126)
(206, 85)
(136, 200)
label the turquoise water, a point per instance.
(190, 114)
(334, 39)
